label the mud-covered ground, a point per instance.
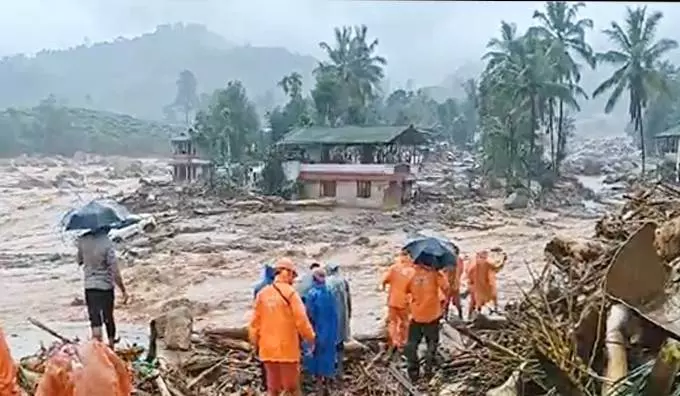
(211, 262)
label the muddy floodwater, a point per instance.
(211, 262)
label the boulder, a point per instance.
(516, 200)
(178, 325)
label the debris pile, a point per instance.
(604, 155)
(200, 200)
(559, 337)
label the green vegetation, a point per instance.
(137, 76)
(522, 108)
(50, 128)
(638, 58)
(519, 112)
(530, 86)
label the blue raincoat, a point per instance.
(321, 311)
(267, 279)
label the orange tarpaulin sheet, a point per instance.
(8, 371)
(90, 369)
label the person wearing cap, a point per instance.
(339, 287)
(8, 370)
(425, 287)
(279, 321)
(321, 310)
(397, 277)
(305, 282)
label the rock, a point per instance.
(362, 241)
(69, 179)
(516, 200)
(178, 327)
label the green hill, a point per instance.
(137, 76)
(52, 129)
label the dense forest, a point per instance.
(50, 128)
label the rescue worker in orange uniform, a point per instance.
(425, 288)
(8, 370)
(481, 275)
(279, 321)
(397, 277)
(454, 277)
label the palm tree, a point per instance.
(559, 25)
(521, 74)
(636, 57)
(292, 84)
(353, 62)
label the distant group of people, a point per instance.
(420, 296)
(309, 324)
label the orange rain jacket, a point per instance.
(398, 276)
(278, 321)
(455, 277)
(8, 371)
(99, 372)
(481, 275)
(425, 287)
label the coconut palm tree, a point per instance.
(521, 71)
(292, 85)
(637, 56)
(559, 25)
(353, 62)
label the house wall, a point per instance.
(311, 189)
(346, 193)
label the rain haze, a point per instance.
(423, 41)
(240, 132)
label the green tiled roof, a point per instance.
(346, 135)
(670, 132)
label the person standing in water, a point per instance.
(97, 257)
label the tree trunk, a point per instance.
(561, 139)
(642, 141)
(551, 116)
(532, 142)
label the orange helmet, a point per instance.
(285, 263)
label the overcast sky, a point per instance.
(423, 40)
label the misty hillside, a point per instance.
(52, 129)
(137, 76)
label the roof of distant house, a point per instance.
(349, 135)
(670, 132)
(181, 137)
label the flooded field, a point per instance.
(211, 262)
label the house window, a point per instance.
(328, 188)
(363, 189)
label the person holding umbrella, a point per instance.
(426, 287)
(97, 257)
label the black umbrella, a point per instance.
(433, 252)
(98, 214)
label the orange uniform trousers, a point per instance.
(397, 326)
(282, 377)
